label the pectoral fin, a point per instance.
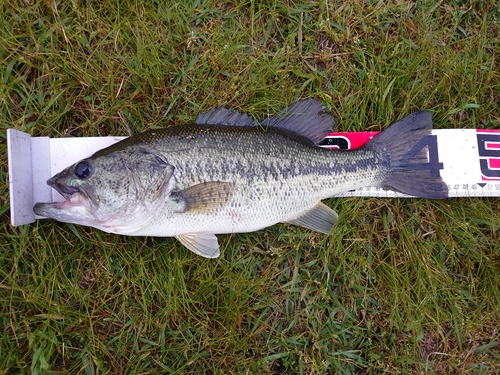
(204, 198)
(201, 243)
(320, 218)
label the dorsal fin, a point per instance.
(224, 116)
(309, 118)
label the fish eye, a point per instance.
(83, 170)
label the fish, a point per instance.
(226, 173)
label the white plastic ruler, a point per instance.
(467, 159)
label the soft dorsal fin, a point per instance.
(224, 116)
(309, 118)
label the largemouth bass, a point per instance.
(227, 174)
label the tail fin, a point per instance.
(409, 151)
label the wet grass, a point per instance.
(401, 286)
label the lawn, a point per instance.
(400, 286)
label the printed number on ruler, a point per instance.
(488, 143)
(433, 166)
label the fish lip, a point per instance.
(65, 190)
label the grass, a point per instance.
(401, 286)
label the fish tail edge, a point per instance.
(408, 151)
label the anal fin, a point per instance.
(201, 243)
(320, 218)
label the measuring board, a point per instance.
(467, 159)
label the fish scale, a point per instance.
(227, 174)
(272, 159)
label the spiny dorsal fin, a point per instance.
(309, 118)
(224, 116)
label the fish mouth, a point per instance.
(66, 191)
(75, 199)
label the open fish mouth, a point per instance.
(66, 191)
(75, 198)
(58, 210)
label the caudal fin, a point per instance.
(410, 153)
